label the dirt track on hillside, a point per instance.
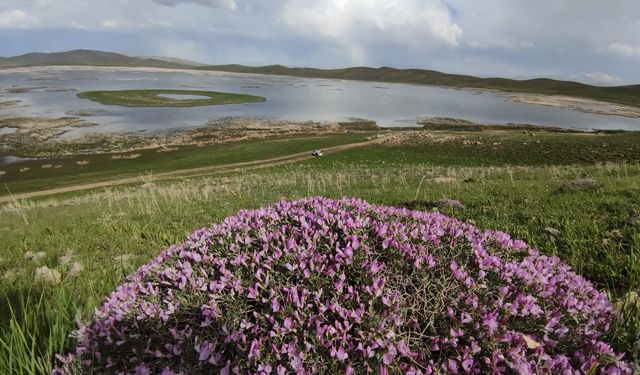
(190, 172)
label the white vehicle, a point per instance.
(317, 153)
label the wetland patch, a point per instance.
(167, 98)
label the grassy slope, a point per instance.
(86, 58)
(150, 98)
(628, 95)
(102, 167)
(599, 229)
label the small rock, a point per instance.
(82, 162)
(34, 256)
(552, 231)
(57, 166)
(75, 269)
(45, 274)
(2, 173)
(66, 259)
(46, 166)
(448, 203)
(22, 170)
(582, 184)
(442, 180)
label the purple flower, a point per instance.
(490, 322)
(316, 285)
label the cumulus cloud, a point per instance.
(625, 50)
(424, 23)
(226, 4)
(17, 19)
(500, 38)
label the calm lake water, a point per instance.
(53, 93)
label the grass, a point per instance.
(151, 98)
(499, 148)
(104, 167)
(596, 230)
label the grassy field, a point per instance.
(65, 171)
(151, 98)
(594, 226)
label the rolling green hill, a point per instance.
(85, 58)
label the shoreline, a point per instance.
(41, 137)
(574, 103)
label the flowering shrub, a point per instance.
(326, 286)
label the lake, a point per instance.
(51, 92)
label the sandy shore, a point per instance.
(573, 103)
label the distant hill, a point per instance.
(628, 95)
(85, 57)
(177, 60)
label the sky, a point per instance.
(593, 41)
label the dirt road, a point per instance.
(190, 172)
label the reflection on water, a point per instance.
(7, 131)
(288, 98)
(9, 159)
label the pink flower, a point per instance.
(339, 354)
(275, 305)
(490, 322)
(254, 351)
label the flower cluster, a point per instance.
(342, 286)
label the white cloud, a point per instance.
(509, 44)
(625, 50)
(602, 79)
(110, 24)
(226, 4)
(409, 22)
(17, 19)
(182, 48)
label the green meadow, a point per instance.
(576, 196)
